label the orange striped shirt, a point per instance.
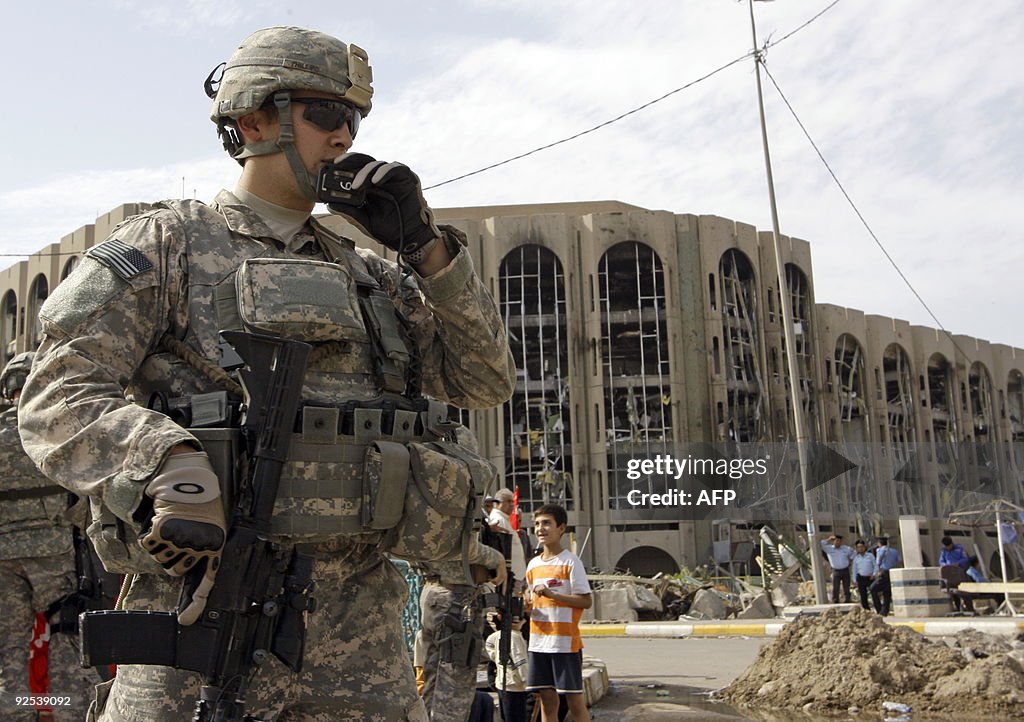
(555, 627)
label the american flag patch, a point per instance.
(124, 260)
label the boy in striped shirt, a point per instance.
(557, 590)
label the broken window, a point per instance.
(849, 389)
(743, 366)
(983, 477)
(941, 387)
(1015, 412)
(538, 451)
(901, 424)
(799, 298)
(634, 356)
(856, 495)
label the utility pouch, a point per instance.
(296, 299)
(440, 501)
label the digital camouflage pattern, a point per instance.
(101, 353)
(448, 686)
(31, 585)
(34, 526)
(265, 63)
(37, 568)
(356, 667)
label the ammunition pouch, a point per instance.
(383, 473)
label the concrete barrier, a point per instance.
(916, 592)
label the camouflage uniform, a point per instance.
(103, 327)
(37, 568)
(446, 603)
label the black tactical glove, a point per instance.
(187, 526)
(387, 204)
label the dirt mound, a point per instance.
(838, 661)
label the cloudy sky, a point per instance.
(915, 104)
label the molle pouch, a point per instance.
(307, 300)
(440, 502)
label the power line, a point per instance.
(563, 140)
(634, 110)
(596, 127)
(856, 210)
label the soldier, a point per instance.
(37, 569)
(137, 325)
(452, 634)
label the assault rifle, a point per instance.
(507, 602)
(257, 605)
(96, 589)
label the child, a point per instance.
(558, 591)
(512, 693)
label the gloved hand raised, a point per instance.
(393, 210)
(187, 526)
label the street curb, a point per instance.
(771, 628)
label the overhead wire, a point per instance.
(637, 109)
(853, 205)
(594, 128)
(567, 139)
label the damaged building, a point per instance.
(637, 331)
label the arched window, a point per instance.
(858, 494)
(37, 293)
(9, 325)
(901, 425)
(743, 365)
(1015, 415)
(803, 338)
(69, 267)
(943, 449)
(850, 390)
(983, 475)
(538, 449)
(634, 356)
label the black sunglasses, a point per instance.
(329, 115)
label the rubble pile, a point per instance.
(627, 598)
(855, 660)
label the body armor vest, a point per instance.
(368, 459)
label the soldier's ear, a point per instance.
(257, 125)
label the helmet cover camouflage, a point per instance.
(291, 58)
(13, 377)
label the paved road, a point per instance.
(682, 671)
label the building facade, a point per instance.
(639, 332)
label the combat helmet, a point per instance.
(266, 67)
(12, 378)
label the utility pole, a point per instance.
(785, 302)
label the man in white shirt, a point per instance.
(501, 522)
(839, 557)
(864, 569)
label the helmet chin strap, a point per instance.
(284, 143)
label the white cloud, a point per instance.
(915, 104)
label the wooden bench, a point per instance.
(996, 590)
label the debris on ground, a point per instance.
(627, 598)
(841, 660)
